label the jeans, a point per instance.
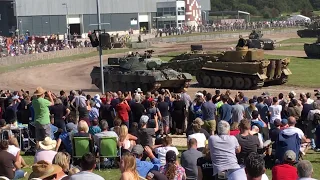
(54, 129)
(19, 174)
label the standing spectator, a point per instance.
(172, 169)
(178, 113)
(205, 167)
(187, 101)
(199, 123)
(137, 109)
(198, 136)
(305, 170)
(216, 97)
(294, 110)
(106, 111)
(262, 109)
(81, 105)
(42, 114)
(94, 111)
(128, 168)
(223, 149)
(163, 107)
(189, 160)
(257, 121)
(237, 111)
(88, 164)
(225, 110)
(151, 113)
(209, 114)
(287, 166)
(59, 112)
(274, 111)
(250, 109)
(123, 110)
(11, 111)
(255, 167)
(145, 134)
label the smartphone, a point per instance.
(150, 175)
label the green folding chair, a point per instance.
(108, 148)
(81, 146)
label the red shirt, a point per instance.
(234, 132)
(284, 172)
(122, 110)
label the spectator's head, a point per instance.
(104, 125)
(117, 122)
(217, 92)
(134, 125)
(260, 100)
(305, 169)
(47, 144)
(45, 170)
(277, 122)
(223, 128)
(95, 122)
(241, 95)
(284, 122)
(292, 94)
(255, 129)
(280, 95)
(123, 132)
(245, 125)
(292, 121)
(196, 125)
(289, 157)
(62, 93)
(144, 121)
(208, 97)
(4, 144)
(137, 150)
(3, 123)
(137, 98)
(234, 126)
(57, 101)
(255, 114)
(192, 143)
(224, 98)
(171, 159)
(122, 98)
(63, 160)
(80, 92)
(128, 164)
(153, 103)
(275, 100)
(294, 102)
(237, 100)
(254, 166)
(167, 141)
(160, 98)
(83, 126)
(308, 95)
(88, 162)
(39, 92)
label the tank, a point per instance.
(313, 50)
(312, 30)
(256, 41)
(134, 71)
(243, 68)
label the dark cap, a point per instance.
(251, 101)
(284, 121)
(171, 156)
(277, 122)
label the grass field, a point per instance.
(298, 40)
(291, 47)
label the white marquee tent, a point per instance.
(299, 18)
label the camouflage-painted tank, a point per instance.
(313, 50)
(241, 69)
(256, 41)
(312, 30)
(130, 73)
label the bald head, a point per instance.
(292, 121)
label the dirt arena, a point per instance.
(75, 74)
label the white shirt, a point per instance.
(310, 101)
(275, 112)
(200, 137)
(13, 150)
(162, 151)
(293, 130)
(264, 177)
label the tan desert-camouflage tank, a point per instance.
(241, 69)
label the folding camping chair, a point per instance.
(80, 146)
(108, 148)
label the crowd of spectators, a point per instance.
(229, 136)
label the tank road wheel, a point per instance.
(247, 83)
(206, 80)
(199, 76)
(216, 81)
(227, 82)
(238, 83)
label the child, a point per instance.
(94, 128)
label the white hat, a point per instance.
(144, 119)
(48, 144)
(138, 90)
(293, 93)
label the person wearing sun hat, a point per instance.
(44, 170)
(42, 114)
(47, 150)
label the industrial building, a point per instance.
(44, 17)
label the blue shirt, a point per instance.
(263, 111)
(208, 110)
(93, 114)
(94, 130)
(143, 167)
(255, 122)
(225, 112)
(65, 139)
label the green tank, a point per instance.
(313, 50)
(312, 30)
(132, 72)
(240, 69)
(256, 41)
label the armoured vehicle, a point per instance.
(241, 69)
(313, 50)
(256, 41)
(134, 71)
(312, 30)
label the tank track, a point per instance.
(228, 80)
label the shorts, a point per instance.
(42, 131)
(210, 126)
(166, 121)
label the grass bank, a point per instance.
(298, 40)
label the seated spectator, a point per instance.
(189, 159)
(134, 129)
(83, 130)
(126, 140)
(145, 134)
(45, 170)
(14, 149)
(10, 167)
(63, 160)
(88, 164)
(247, 141)
(287, 166)
(143, 167)
(305, 170)
(104, 133)
(161, 150)
(46, 150)
(223, 149)
(255, 167)
(117, 123)
(4, 127)
(94, 128)
(172, 169)
(65, 138)
(256, 121)
(200, 137)
(198, 122)
(128, 168)
(234, 129)
(205, 168)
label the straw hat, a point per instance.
(48, 144)
(39, 91)
(43, 169)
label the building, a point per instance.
(44, 17)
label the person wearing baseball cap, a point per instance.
(143, 167)
(145, 134)
(172, 165)
(286, 170)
